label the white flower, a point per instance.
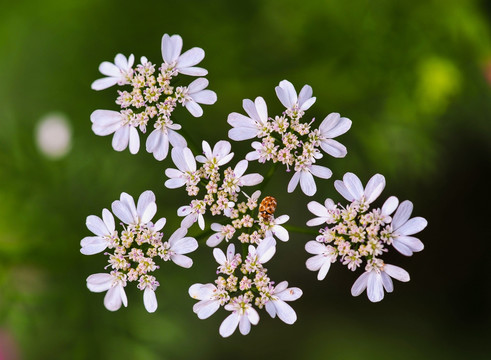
(306, 178)
(402, 227)
(127, 212)
(222, 258)
(209, 301)
(116, 73)
(324, 256)
(184, 160)
(277, 305)
(277, 230)
(351, 188)
(105, 122)
(332, 126)
(158, 140)
(114, 285)
(196, 94)
(248, 127)
(180, 245)
(322, 212)
(243, 315)
(376, 279)
(193, 213)
(171, 53)
(103, 228)
(220, 155)
(288, 96)
(221, 232)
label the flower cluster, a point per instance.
(152, 97)
(242, 285)
(287, 139)
(134, 250)
(221, 188)
(356, 235)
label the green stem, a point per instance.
(300, 230)
(268, 176)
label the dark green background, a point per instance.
(410, 74)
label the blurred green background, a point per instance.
(414, 77)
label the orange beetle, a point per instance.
(267, 207)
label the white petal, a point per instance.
(144, 201)
(176, 139)
(334, 148)
(294, 181)
(375, 289)
(413, 226)
(214, 240)
(134, 140)
(390, 205)
(229, 325)
(343, 190)
(314, 263)
(99, 282)
(185, 245)
(262, 109)
(150, 300)
(387, 282)
(244, 325)
(307, 183)
(315, 247)
(190, 58)
(110, 69)
(105, 122)
(240, 168)
(317, 209)
(171, 48)
(175, 183)
(396, 272)
(219, 256)
(239, 120)
(285, 312)
(281, 233)
(121, 138)
(201, 291)
(93, 245)
(242, 133)
(193, 71)
(324, 269)
(194, 108)
(321, 171)
(316, 221)
(197, 85)
(159, 224)
(96, 225)
(266, 249)
(360, 284)
(113, 298)
(251, 179)
(402, 214)
(334, 125)
(253, 316)
(177, 235)
(206, 97)
(206, 308)
(122, 212)
(374, 188)
(290, 294)
(182, 260)
(354, 185)
(104, 83)
(414, 244)
(270, 309)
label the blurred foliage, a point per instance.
(411, 76)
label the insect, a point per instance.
(267, 207)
